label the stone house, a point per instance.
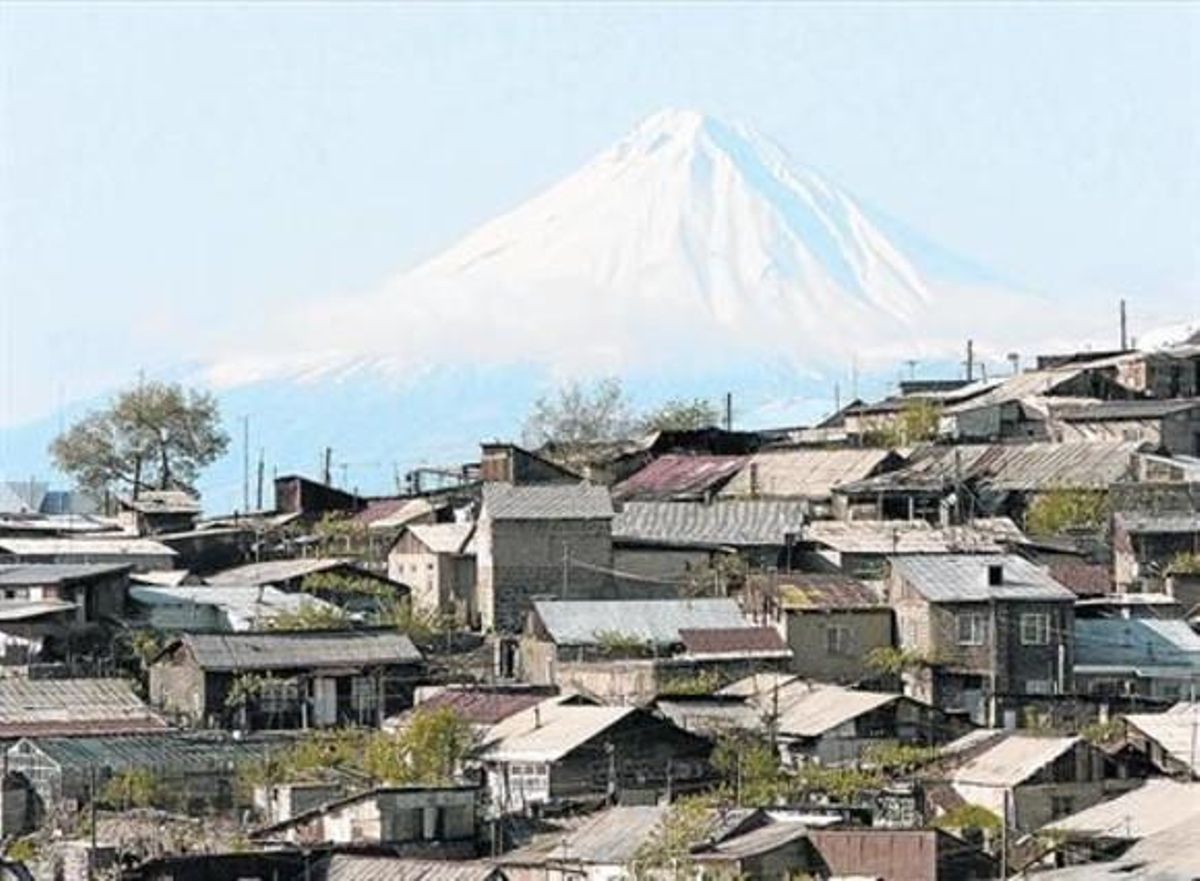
(437, 561)
(411, 821)
(508, 463)
(561, 752)
(830, 621)
(540, 540)
(1032, 780)
(286, 680)
(151, 512)
(1145, 545)
(996, 633)
(1172, 426)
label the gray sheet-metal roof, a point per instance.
(1174, 731)
(27, 610)
(949, 578)
(1137, 643)
(1160, 524)
(163, 502)
(59, 707)
(443, 538)
(898, 537)
(175, 750)
(754, 843)
(1099, 411)
(579, 622)
(567, 501)
(611, 837)
(92, 548)
(32, 574)
(548, 731)
(1170, 854)
(726, 523)
(245, 606)
(276, 571)
(1157, 804)
(1013, 760)
(355, 867)
(1022, 385)
(291, 650)
(803, 473)
(812, 709)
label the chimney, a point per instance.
(753, 480)
(995, 574)
(537, 716)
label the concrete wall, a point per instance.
(807, 636)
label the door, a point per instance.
(324, 702)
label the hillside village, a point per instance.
(949, 634)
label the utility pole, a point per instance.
(837, 397)
(1004, 834)
(327, 476)
(1124, 327)
(245, 463)
(258, 495)
(729, 411)
(566, 571)
(970, 360)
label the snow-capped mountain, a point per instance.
(690, 235)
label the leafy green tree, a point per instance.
(1059, 510)
(917, 422)
(311, 616)
(428, 751)
(667, 853)
(890, 661)
(130, 788)
(749, 769)
(681, 414)
(577, 414)
(155, 436)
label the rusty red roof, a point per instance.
(734, 641)
(679, 477)
(817, 590)
(1083, 579)
(480, 707)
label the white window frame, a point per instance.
(837, 640)
(977, 634)
(1035, 628)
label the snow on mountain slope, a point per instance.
(689, 237)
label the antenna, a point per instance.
(1014, 358)
(970, 360)
(912, 367)
(245, 463)
(1124, 328)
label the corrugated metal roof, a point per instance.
(180, 751)
(352, 867)
(733, 642)
(611, 837)
(443, 538)
(679, 477)
(1082, 579)
(549, 731)
(163, 502)
(276, 571)
(802, 474)
(56, 707)
(1136, 642)
(754, 843)
(32, 574)
(161, 577)
(726, 523)
(582, 501)
(1159, 524)
(1157, 804)
(898, 537)
(245, 606)
(580, 622)
(1023, 385)
(1100, 411)
(948, 578)
(84, 547)
(30, 609)
(290, 650)
(1174, 732)
(757, 684)
(810, 710)
(799, 591)
(480, 707)
(1010, 467)
(1013, 760)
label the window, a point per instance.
(971, 628)
(837, 640)
(1039, 686)
(1035, 628)
(364, 698)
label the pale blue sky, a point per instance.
(162, 166)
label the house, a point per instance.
(312, 499)
(670, 540)
(1031, 780)
(201, 767)
(898, 855)
(480, 706)
(47, 608)
(830, 621)
(142, 554)
(437, 561)
(431, 822)
(540, 540)
(562, 752)
(345, 584)
(773, 851)
(212, 548)
(830, 724)
(218, 608)
(806, 473)
(679, 478)
(1002, 479)
(1170, 854)
(1145, 546)
(861, 548)
(1158, 804)
(997, 630)
(72, 707)
(150, 512)
(1171, 426)
(629, 650)
(1169, 739)
(1145, 657)
(508, 463)
(364, 867)
(301, 679)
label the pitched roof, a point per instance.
(245, 606)
(725, 523)
(610, 837)
(550, 501)
(582, 622)
(812, 709)
(1082, 579)
(64, 707)
(443, 538)
(290, 650)
(163, 502)
(679, 477)
(1013, 760)
(549, 731)
(1145, 644)
(277, 571)
(802, 473)
(815, 591)
(1022, 385)
(898, 537)
(949, 578)
(714, 642)
(392, 513)
(28, 574)
(757, 842)
(1174, 731)
(1099, 411)
(84, 547)
(480, 706)
(167, 749)
(357, 867)
(1157, 804)
(1159, 524)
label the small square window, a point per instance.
(837, 640)
(1035, 628)
(971, 628)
